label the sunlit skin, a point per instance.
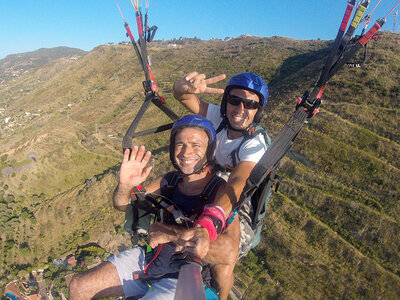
(190, 149)
(238, 116)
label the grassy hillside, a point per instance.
(332, 229)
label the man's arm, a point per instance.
(227, 195)
(121, 196)
(225, 249)
(122, 193)
(160, 233)
(186, 88)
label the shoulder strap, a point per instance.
(172, 178)
(254, 131)
(267, 138)
(221, 126)
(212, 187)
(165, 203)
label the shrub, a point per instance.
(85, 236)
(10, 198)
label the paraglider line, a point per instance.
(392, 9)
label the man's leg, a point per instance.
(164, 288)
(112, 278)
(101, 281)
(223, 256)
(222, 279)
(246, 232)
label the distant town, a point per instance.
(51, 281)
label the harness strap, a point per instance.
(270, 160)
(221, 126)
(151, 205)
(211, 187)
(253, 132)
(137, 195)
(146, 35)
(324, 74)
(249, 134)
(266, 187)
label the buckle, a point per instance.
(311, 107)
(147, 85)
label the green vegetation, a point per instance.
(332, 229)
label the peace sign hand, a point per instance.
(195, 83)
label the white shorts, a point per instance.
(132, 261)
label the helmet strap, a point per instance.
(199, 171)
(234, 129)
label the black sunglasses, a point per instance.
(248, 104)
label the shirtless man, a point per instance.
(191, 151)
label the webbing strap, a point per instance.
(172, 179)
(146, 35)
(270, 181)
(254, 131)
(142, 45)
(361, 8)
(130, 133)
(356, 46)
(211, 186)
(137, 197)
(271, 158)
(249, 135)
(341, 52)
(164, 108)
(329, 61)
(127, 140)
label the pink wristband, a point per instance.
(212, 219)
(207, 223)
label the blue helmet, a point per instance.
(194, 121)
(251, 82)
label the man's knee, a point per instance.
(101, 281)
(232, 257)
(76, 288)
(222, 279)
(222, 273)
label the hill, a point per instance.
(15, 65)
(332, 228)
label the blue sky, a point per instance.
(27, 25)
